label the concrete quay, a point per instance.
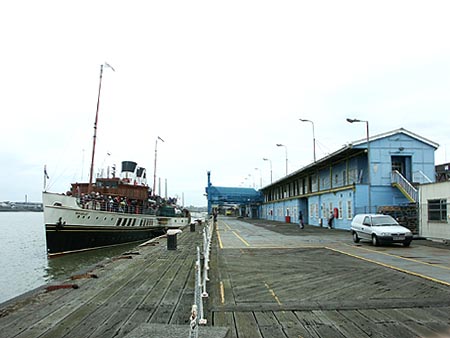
(267, 279)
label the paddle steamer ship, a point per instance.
(117, 210)
(108, 211)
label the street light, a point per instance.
(266, 159)
(285, 148)
(154, 170)
(368, 157)
(260, 177)
(314, 137)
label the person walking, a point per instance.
(330, 220)
(300, 220)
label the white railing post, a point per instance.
(197, 314)
(194, 321)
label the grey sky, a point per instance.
(220, 82)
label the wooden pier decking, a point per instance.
(267, 280)
(154, 286)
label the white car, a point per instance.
(379, 229)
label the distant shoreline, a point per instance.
(21, 210)
(8, 206)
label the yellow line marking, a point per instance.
(391, 267)
(227, 226)
(222, 293)
(243, 240)
(401, 257)
(218, 238)
(272, 293)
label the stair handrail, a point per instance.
(399, 179)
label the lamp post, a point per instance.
(260, 177)
(270, 161)
(285, 148)
(368, 158)
(154, 170)
(314, 137)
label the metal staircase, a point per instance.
(407, 189)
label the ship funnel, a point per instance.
(129, 166)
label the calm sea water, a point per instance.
(24, 265)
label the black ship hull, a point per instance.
(73, 238)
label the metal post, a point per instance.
(270, 161)
(154, 169)
(285, 149)
(369, 197)
(314, 137)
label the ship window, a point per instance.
(104, 219)
(78, 216)
(96, 217)
(140, 223)
(89, 217)
(124, 222)
(118, 221)
(57, 204)
(134, 221)
(129, 221)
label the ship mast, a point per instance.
(95, 126)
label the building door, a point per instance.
(403, 165)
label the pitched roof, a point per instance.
(394, 132)
(350, 148)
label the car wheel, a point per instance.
(406, 244)
(375, 240)
(355, 237)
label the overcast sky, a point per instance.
(220, 81)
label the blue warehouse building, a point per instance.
(245, 200)
(341, 183)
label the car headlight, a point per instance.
(385, 234)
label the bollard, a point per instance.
(172, 239)
(193, 227)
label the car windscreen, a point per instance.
(383, 220)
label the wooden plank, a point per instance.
(152, 300)
(291, 325)
(346, 327)
(124, 301)
(246, 325)
(175, 290)
(269, 325)
(118, 297)
(225, 319)
(360, 321)
(70, 303)
(136, 311)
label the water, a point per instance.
(24, 264)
